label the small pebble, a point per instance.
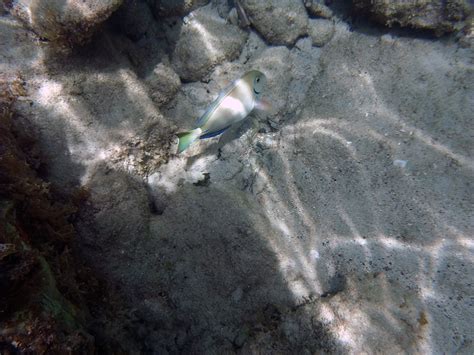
(321, 31)
(400, 163)
(314, 254)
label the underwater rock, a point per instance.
(202, 44)
(134, 18)
(438, 16)
(321, 31)
(163, 84)
(164, 8)
(64, 22)
(280, 22)
(317, 8)
(121, 209)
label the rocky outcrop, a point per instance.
(134, 18)
(279, 22)
(438, 16)
(205, 41)
(64, 22)
(163, 84)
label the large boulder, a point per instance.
(134, 18)
(279, 22)
(64, 22)
(205, 40)
(436, 15)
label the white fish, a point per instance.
(232, 105)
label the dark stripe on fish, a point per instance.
(213, 134)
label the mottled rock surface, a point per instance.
(318, 8)
(134, 18)
(163, 84)
(320, 31)
(279, 22)
(438, 16)
(64, 22)
(205, 41)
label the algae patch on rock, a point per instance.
(41, 304)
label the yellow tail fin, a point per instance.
(186, 138)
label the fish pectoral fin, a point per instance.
(213, 134)
(263, 104)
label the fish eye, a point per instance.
(258, 80)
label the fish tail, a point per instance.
(186, 138)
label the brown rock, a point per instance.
(279, 22)
(438, 16)
(64, 22)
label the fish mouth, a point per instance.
(256, 92)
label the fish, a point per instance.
(233, 105)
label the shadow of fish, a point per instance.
(232, 105)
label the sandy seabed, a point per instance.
(339, 221)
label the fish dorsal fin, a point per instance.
(203, 119)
